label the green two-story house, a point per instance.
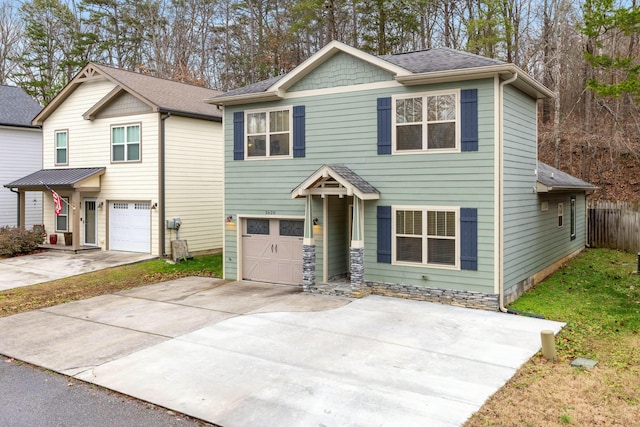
(411, 175)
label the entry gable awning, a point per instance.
(336, 180)
(60, 178)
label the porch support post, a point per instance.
(308, 249)
(356, 250)
(74, 212)
(22, 208)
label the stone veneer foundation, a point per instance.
(308, 267)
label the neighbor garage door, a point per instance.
(130, 226)
(272, 250)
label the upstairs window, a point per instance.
(268, 133)
(125, 143)
(428, 122)
(61, 147)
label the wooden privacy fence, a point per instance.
(614, 225)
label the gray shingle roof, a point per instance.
(336, 174)
(422, 61)
(556, 179)
(438, 59)
(258, 87)
(55, 177)
(17, 108)
(167, 94)
(354, 179)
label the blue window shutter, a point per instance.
(298, 131)
(238, 135)
(468, 238)
(384, 234)
(384, 125)
(469, 119)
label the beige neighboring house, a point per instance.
(133, 157)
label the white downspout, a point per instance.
(501, 191)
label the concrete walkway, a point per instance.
(247, 354)
(52, 265)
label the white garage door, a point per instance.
(130, 226)
(272, 250)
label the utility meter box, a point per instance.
(174, 224)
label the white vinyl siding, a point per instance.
(194, 183)
(21, 155)
(428, 122)
(92, 147)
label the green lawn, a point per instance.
(597, 294)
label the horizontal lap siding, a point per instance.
(532, 240)
(194, 180)
(342, 128)
(21, 155)
(90, 146)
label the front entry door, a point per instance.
(90, 223)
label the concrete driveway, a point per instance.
(51, 265)
(247, 354)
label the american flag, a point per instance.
(57, 201)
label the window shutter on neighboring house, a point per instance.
(384, 125)
(469, 119)
(384, 234)
(238, 135)
(298, 131)
(468, 238)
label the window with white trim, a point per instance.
(61, 147)
(268, 133)
(426, 236)
(560, 215)
(125, 143)
(427, 122)
(62, 220)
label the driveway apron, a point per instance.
(247, 354)
(52, 265)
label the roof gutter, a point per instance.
(500, 229)
(244, 98)
(535, 88)
(190, 115)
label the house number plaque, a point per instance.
(269, 212)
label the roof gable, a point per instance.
(336, 180)
(160, 94)
(341, 69)
(413, 68)
(17, 108)
(117, 103)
